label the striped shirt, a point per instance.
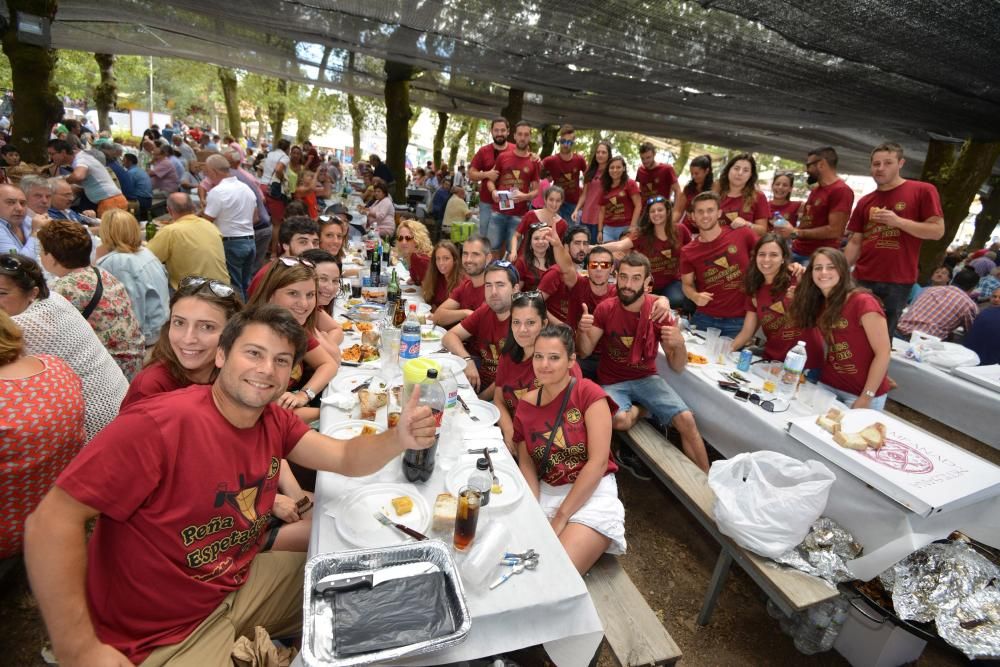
(938, 311)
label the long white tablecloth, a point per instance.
(965, 406)
(549, 606)
(887, 530)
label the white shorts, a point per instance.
(602, 512)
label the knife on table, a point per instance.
(340, 583)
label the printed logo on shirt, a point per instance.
(668, 253)
(573, 416)
(839, 357)
(900, 206)
(274, 467)
(778, 307)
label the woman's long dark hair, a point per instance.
(810, 308)
(606, 182)
(593, 166)
(750, 189)
(702, 162)
(754, 278)
(528, 255)
(531, 300)
(433, 277)
(647, 230)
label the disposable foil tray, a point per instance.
(317, 613)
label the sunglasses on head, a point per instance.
(11, 264)
(501, 263)
(196, 283)
(537, 225)
(528, 296)
(658, 199)
(600, 264)
(292, 261)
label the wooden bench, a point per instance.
(634, 633)
(788, 588)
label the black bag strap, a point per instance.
(544, 469)
(98, 293)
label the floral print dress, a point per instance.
(113, 320)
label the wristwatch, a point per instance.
(794, 235)
(868, 393)
(308, 392)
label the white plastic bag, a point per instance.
(766, 501)
(951, 355)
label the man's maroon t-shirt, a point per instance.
(258, 278)
(823, 200)
(850, 355)
(531, 218)
(516, 173)
(718, 267)
(469, 296)
(775, 321)
(736, 207)
(582, 293)
(151, 380)
(488, 335)
(618, 204)
(418, 267)
(615, 347)
(664, 257)
(566, 174)
(484, 160)
(568, 455)
(185, 499)
(515, 379)
(554, 286)
(890, 255)
(656, 181)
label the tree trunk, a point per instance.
(988, 218)
(37, 106)
(957, 170)
(276, 112)
(680, 164)
(106, 92)
(397, 121)
(549, 135)
(357, 120)
(439, 138)
(471, 137)
(258, 115)
(227, 78)
(455, 142)
(306, 121)
(514, 109)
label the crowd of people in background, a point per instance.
(581, 274)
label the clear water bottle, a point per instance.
(819, 626)
(409, 340)
(418, 464)
(482, 481)
(451, 439)
(791, 372)
(779, 220)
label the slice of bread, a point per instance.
(402, 505)
(874, 435)
(827, 424)
(371, 401)
(850, 440)
(833, 414)
(445, 509)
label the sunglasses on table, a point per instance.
(292, 261)
(773, 404)
(600, 264)
(195, 283)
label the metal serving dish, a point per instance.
(317, 613)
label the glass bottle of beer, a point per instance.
(376, 265)
(150, 227)
(393, 293)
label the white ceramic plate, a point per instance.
(487, 413)
(348, 378)
(430, 333)
(510, 477)
(355, 515)
(351, 428)
(450, 361)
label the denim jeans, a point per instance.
(593, 232)
(730, 326)
(240, 254)
(652, 392)
(801, 259)
(894, 297)
(566, 212)
(614, 233)
(485, 211)
(877, 403)
(501, 229)
(675, 294)
(262, 242)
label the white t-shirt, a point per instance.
(232, 205)
(98, 185)
(275, 157)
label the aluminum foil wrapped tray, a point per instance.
(317, 612)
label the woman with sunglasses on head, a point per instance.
(547, 214)
(742, 204)
(781, 201)
(620, 203)
(853, 325)
(536, 257)
(700, 169)
(328, 280)
(659, 239)
(589, 204)
(562, 431)
(332, 235)
(291, 283)
(52, 325)
(515, 370)
(413, 248)
(770, 287)
(443, 275)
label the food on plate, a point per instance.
(368, 429)
(874, 435)
(393, 419)
(696, 358)
(736, 376)
(830, 422)
(364, 327)
(850, 440)
(358, 353)
(402, 505)
(347, 325)
(497, 488)
(445, 509)
(431, 334)
(372, 400)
